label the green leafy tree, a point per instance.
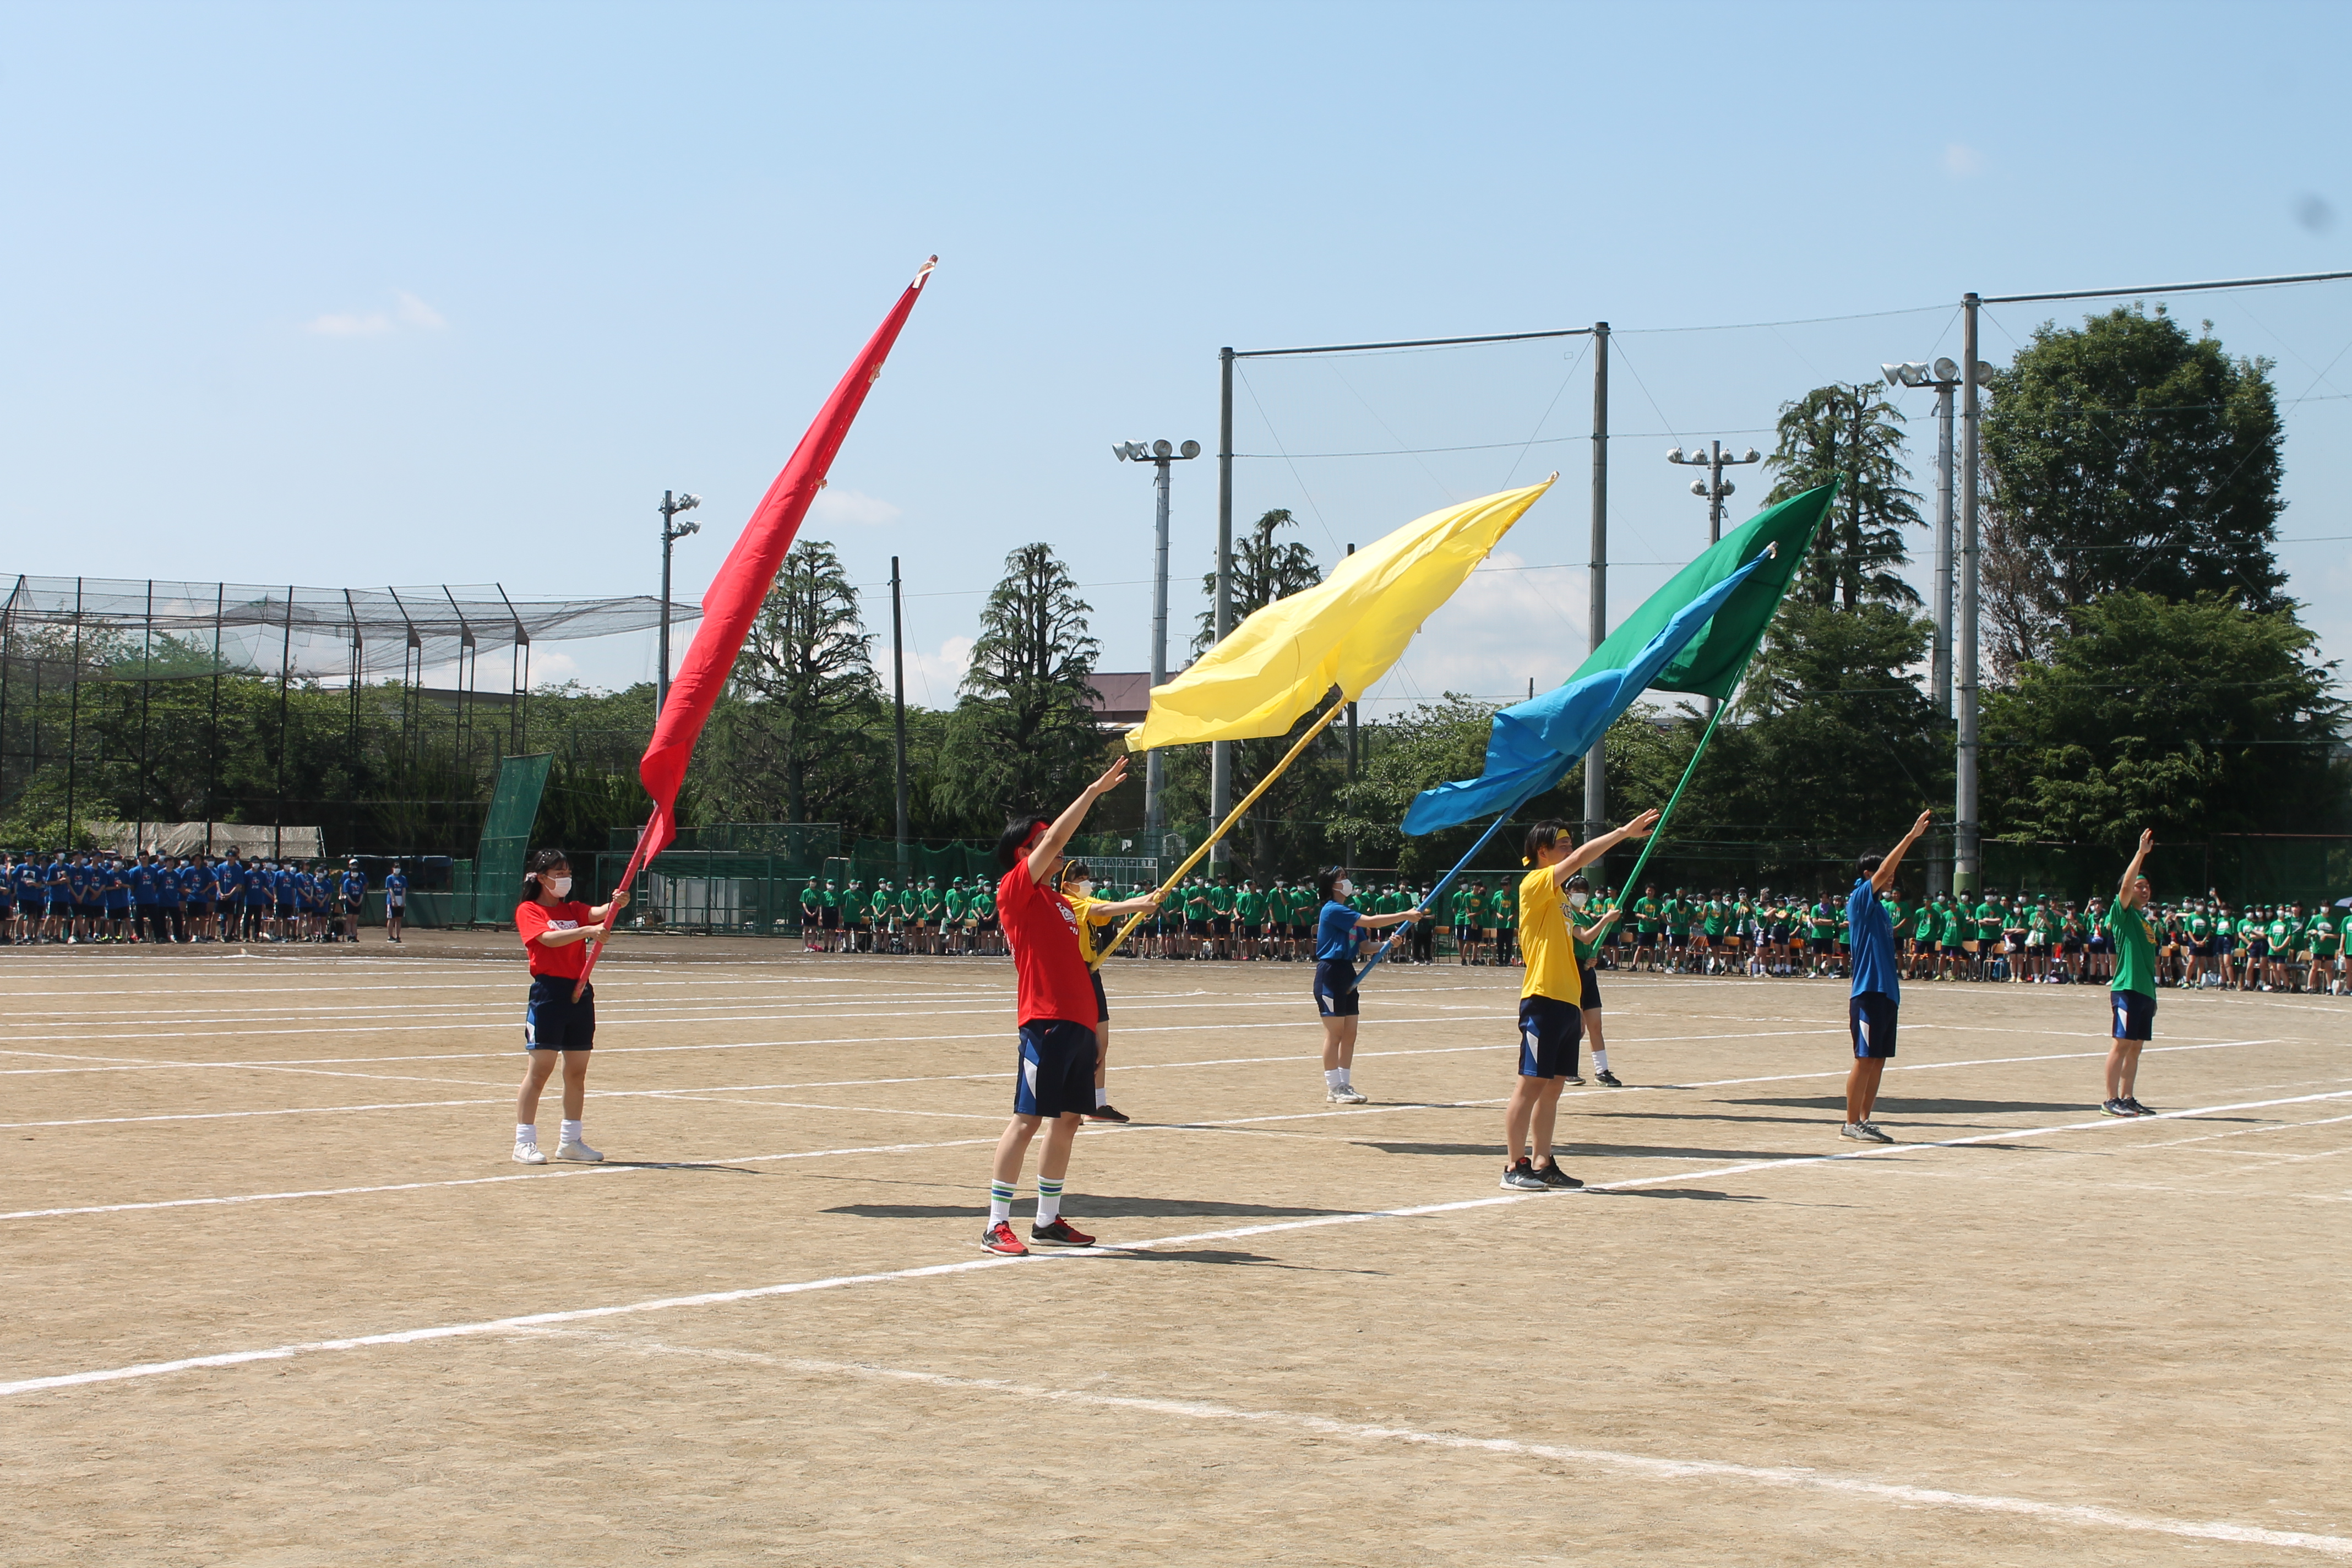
(1024, 734)
(1840, 731)
(1853, 436)
(2192, 718)
(2127, 456)
(805, 739)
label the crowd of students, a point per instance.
(2023, 939)
(93, 897)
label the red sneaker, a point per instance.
(998, 1238)
(1062, 1233)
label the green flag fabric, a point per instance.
(1710, 664)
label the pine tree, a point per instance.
(1024, 734)
(1853, 436)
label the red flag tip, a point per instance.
(923, 272)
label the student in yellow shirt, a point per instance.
(1078, 889)
(1551, 1017)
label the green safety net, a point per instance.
(506, 837)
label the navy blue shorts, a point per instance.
(1057, 1069)
(1870, 1015)
(1102, 1003)
(1550, 1033)
(1335, 988)
(552, 1021)
(2134, 1013)
(1592, 987)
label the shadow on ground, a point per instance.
(1577, 1148)
(1098, 1206)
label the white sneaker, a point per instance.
(529, 1155)
(580, 1152)
(1349, 1094)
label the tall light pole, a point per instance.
(1713, 490)
(1221, 752)
(1965, 864)
(672, 531)
(1160, 454)
(1943, 376)
(1596, 761)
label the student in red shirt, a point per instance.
(556, 932)
(1055, 1084)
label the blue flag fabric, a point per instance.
(1534, 743)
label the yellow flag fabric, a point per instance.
(1345, 631)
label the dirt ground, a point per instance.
(275, 1294)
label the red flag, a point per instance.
(735, 594)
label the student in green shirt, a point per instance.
(811, 906)
(2132, 998)
(1503, 904)
(2324, 937)
(1249, 909)
(1646, 909)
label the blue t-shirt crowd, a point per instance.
(95, 897)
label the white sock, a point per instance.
(1000, 1202)
(1599, 1060)
(1334, 1077)
(572, 1132)
(1049, 1201)
(526, 1131)
(1102, 1095)
(1344, 1079)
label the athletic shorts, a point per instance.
(2101, 944)
(1592, 987)
(1550, 1032)
(828, 920)
(92, 912)
(198, 909)
(1255, 931)
(1102, 1003)
(2134, 1013)
(1298, 933)
(285, 911)
(1196, 927)
(1057, 1069)
(1335, 988)
(1223, 924)
(394, 906)
(552, 1021)
(1870, 1017)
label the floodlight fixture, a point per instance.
(1984, 374)
(683, 529)
(1751, 456)
(1673, 454)
(1698, 487)
(1189, 449)
(1162, 448)
(686, 502)
(1947, 370)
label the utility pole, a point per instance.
(1965, 866)
(898, 707)
(1713, 490)
(671, 532)
(1945, 377)
(1351, 756)
(1596, 777)
(1160, 454)
(1221, 752)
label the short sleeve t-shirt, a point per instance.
(1088, 931)
(1872, 939)
(1546, 943)
(1050, 977)
(534, 920)
(1335, 933)
(2134, 949)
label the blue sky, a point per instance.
(400, 294)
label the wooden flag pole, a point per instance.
(1223, 828)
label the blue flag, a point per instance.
(1534, 743)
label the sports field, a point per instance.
(275, 1294)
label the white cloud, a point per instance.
(1505, 627)
(852, 508)
(1961, 161)
(932, 677)
(408, 311)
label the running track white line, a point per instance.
(1106, 1250)
(1647, 1466)
(618, 1169)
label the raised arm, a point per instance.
(1048, 849)
(1593, 850)
(1885, 877)
(2123, 895)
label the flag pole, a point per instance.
(1222, 827)
(1633, 877)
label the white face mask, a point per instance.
(1578, 901)
(559, 886)
(1083, 890)
(1343, 887)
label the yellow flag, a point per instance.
(1345, 631)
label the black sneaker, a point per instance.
(1107, 1113)
(1521, 1177)
(1607, 1080)
(2136, 1108)
(1552, 1176)
(1061, 1233)
(2117, 1108)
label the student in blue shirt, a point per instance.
(196, 896)
(1337, 931)
(257, 900)
(395, 900)
(146, 900)
(1877, 985)
(284, 889)
(169, 899)
(65, 897)
(117, 885)
(353, 889)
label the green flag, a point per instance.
(1710, 665)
